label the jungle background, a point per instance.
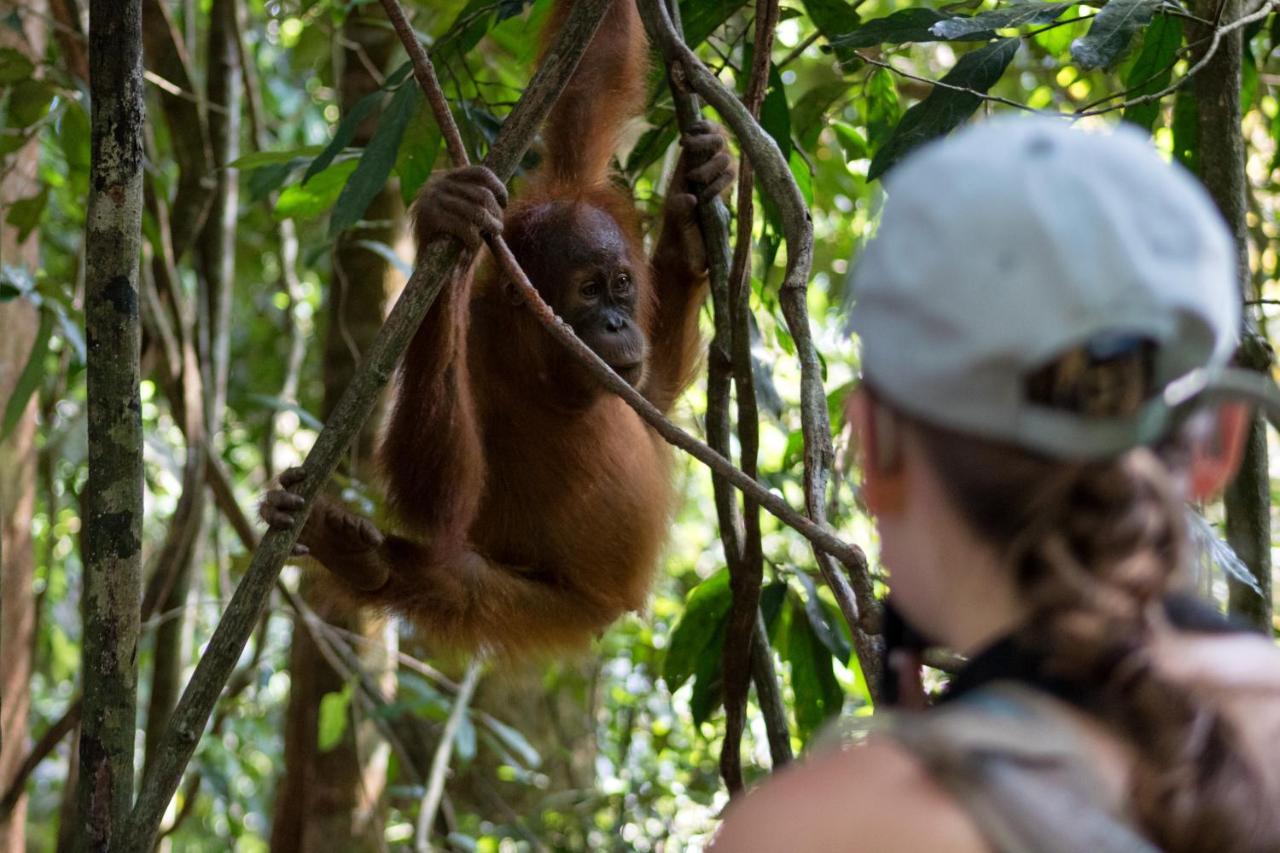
(282, 143)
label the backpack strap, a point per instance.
(1014, 760)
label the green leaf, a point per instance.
(317, 196)
(29, 380)
(1004, 17)
(74, 136)
(708, 682)
(653, 144)
(809, 114)
(332, 723)
(701, 18)
(818, 696)
(344, 133)
(1112, 32)
(1153, 69)
(946, 108)
(772, 597)
(24, 214)
(1186, 130)
(883, 109)
(14, 66)
(371, 174)
(804, 178)
(827, 632)
(775, 115)
(29, 102)
(907, 25)
(833, 17)
(418, 152)
(705, 610)
(515, 742)
(259, 159)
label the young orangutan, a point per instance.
(530, 504)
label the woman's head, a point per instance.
(1031, 298)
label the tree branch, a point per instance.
(440, 761)
(434, 269)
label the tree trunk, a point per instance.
(113, 495)
(331, 800)
(18, 320)
(1222, 168)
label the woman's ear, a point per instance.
(1215, 458)
(876, 432)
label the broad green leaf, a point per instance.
(818, 696)
(332, 722)
(418, 152)
(29, 380)
(827, 632)
(946, 108)
(907, 25)
(708, 681)
(1112, 32)
(772, 597)
(701, 18)
(344, 133)
(832, 18)
(883, 108)
(14, 66)
(29, 102)
(775, 114)
(317, 196)
(809, 114)
(705, 610)
(265, 180)
(1153, 68)
(1000, 18)
(804, 178)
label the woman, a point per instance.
(1035, 299)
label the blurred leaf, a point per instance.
(24, 214)
(772, 597)
(827, 632)
(345, 132)
(907, 25)
(74, 136)
(818, 696)
(708, 681)
(332, 722)
(279, 405)
(375, 164)
(832, 18)
(464, 742)
(28, 102)
(705, 610)
(804, 177)
(1186, 131)
(515, 742)
(1112, 32)
(701, 18)
(653, 144)
(1000, 18)
(258, 159)
(1153, 69)
(809, 115)
(31, 376)
(946, 108)
(14, 66)
(775, 115)
(317, 196)
(387, 253)
(418, 152)
(883, 109)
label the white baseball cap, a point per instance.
(1019, 240)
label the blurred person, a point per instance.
(1046, 317)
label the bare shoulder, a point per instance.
(870, 797)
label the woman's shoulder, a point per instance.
(871, 796)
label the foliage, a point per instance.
(851, 91)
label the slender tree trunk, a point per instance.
(113, 495)
(330, 799)
(1222, 168)
(17, 464)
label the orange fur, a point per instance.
(536, 504)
